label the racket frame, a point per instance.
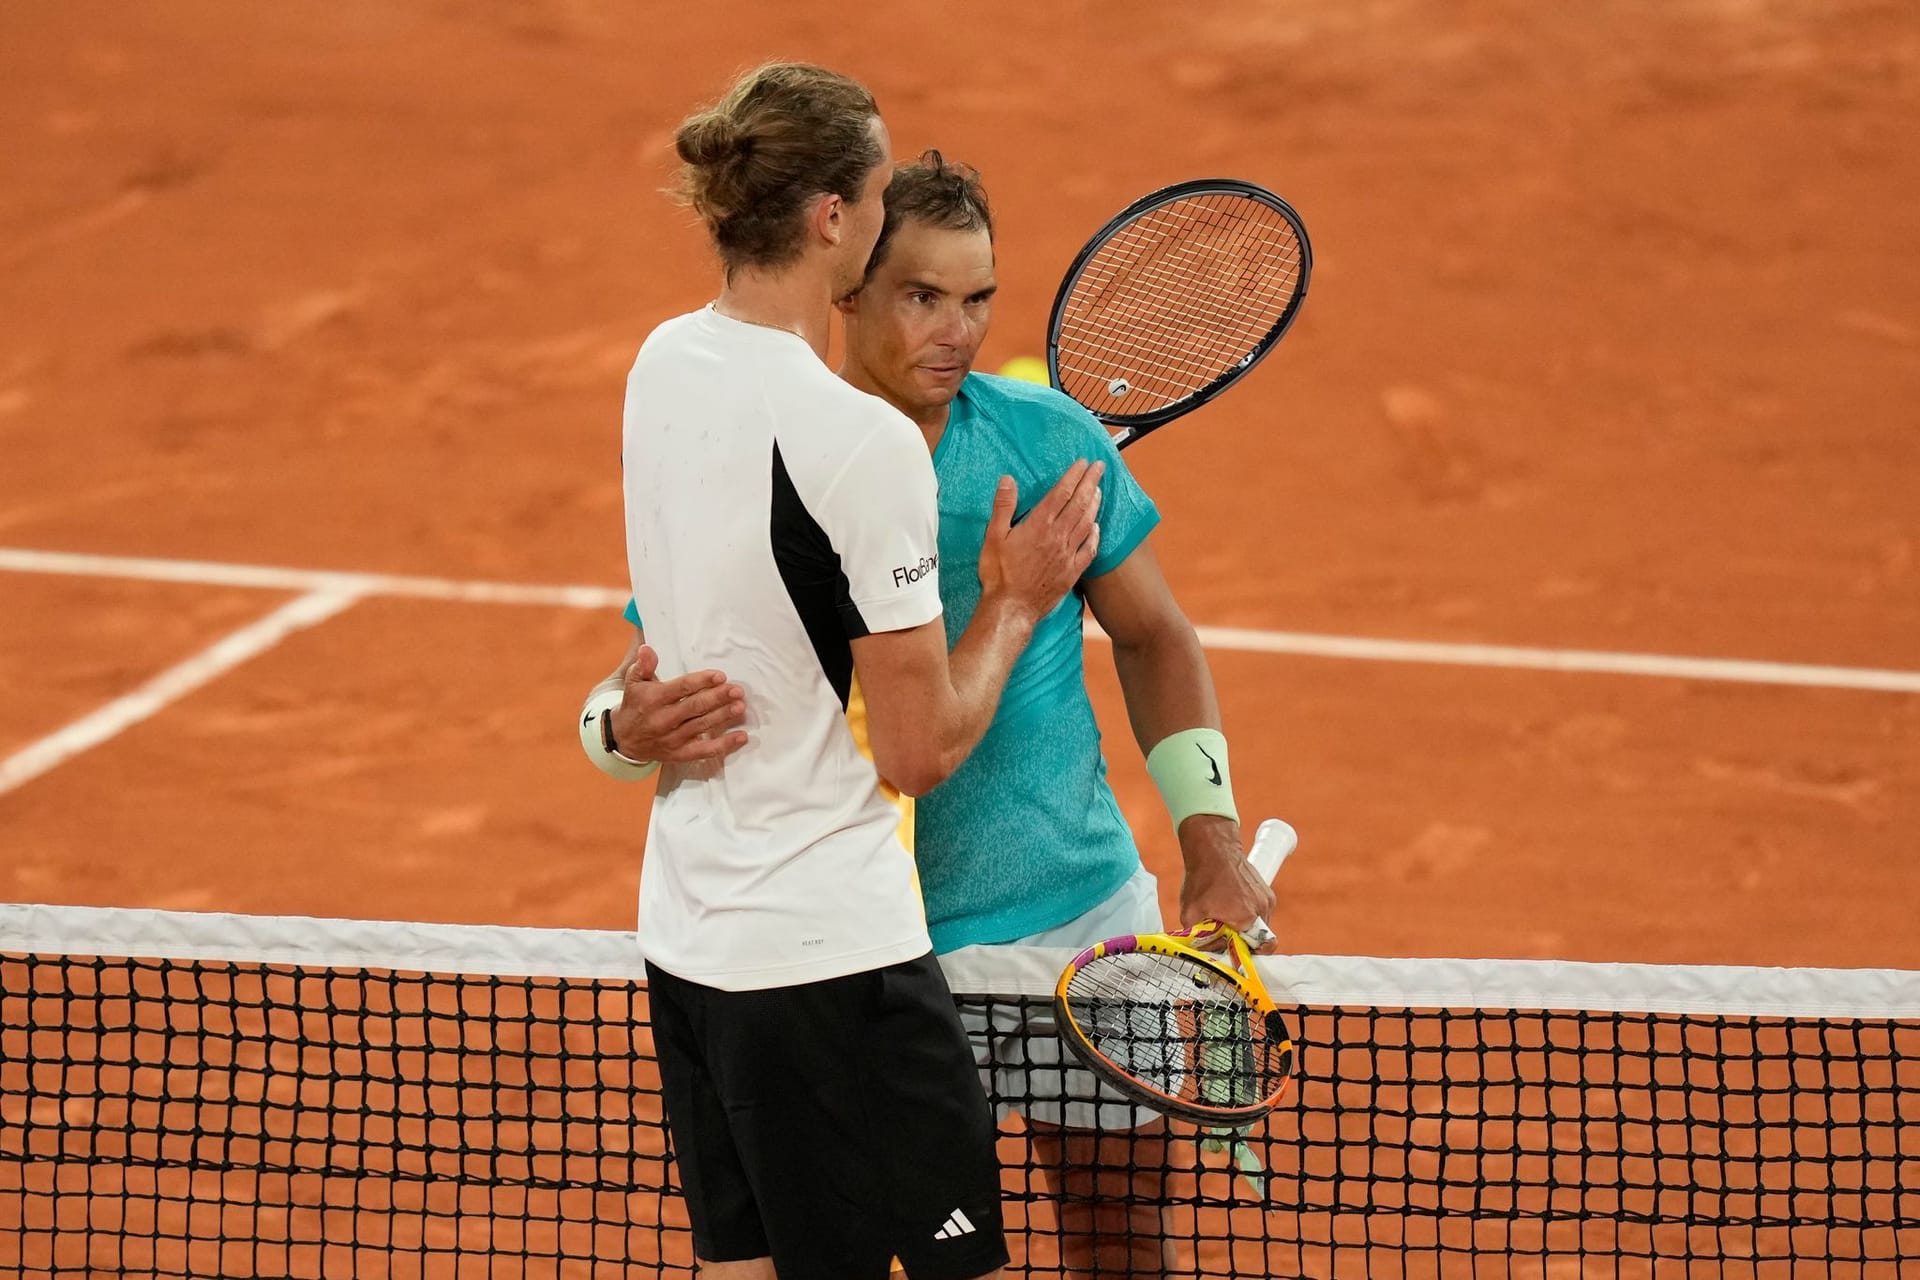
(1178, 945)
(1133, 426)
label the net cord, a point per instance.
(510, 951)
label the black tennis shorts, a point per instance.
(834, 1125)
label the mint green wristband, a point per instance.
(1190, 768)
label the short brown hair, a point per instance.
(784, 133)
(934, 191)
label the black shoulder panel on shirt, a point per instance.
(810, 568)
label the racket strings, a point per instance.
(1200, 335)
(1151, 253)
(1176, 300)
(1174, 297)
(1161, 293)
(1180, 1028)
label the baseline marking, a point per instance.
(171, 685)
(1300, 643)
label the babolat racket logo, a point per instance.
(908, 574)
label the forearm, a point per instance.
(1166, 683)
(1176, 720)
(926, 708)
(978, 669)
(1169, 688)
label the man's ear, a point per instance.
(828, 217)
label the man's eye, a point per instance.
(922, 298)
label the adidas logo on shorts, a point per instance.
(956, 1226)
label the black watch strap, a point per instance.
(606, 733)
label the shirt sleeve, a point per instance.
(1127, 514)
(632, 612)
(882, 516)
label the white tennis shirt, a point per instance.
(774, 514)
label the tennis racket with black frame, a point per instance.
(1175, 300)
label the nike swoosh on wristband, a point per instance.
(1210, 760)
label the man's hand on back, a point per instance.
(691, 717)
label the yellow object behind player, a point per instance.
(1027, 369)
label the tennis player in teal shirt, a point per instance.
(1024, 842)
(1044, 839)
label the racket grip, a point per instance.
(1271, 845)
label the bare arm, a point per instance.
(1168, 687)
(1162, 668)
(927, 709)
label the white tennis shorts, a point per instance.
(1022, 1063)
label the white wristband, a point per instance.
(611, 763)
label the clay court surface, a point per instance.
(1613, 345)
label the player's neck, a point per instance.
(797, 300)
(933, 430)
(931, 419)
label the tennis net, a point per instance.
(188, 1094)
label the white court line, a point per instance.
(171, 685)
(211, 574)
(1586, 660)
(1300, 643)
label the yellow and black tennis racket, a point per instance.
(1175, 300)
(1187, 1032)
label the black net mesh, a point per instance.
(177, 1118)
